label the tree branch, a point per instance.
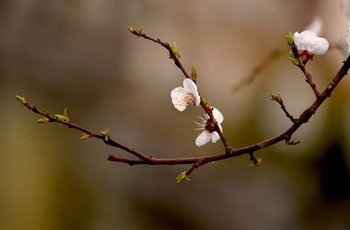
(195, 162)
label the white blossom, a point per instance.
(347, 37)
(308, 41)
(206, 124)
(185, 96)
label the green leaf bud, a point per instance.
(105, 133)
(60, 117)
(22, 100)
(130, 29)
(139, 30)
(85, 136)
(65, 112)
(174, 49)
(182, 176)
(43, 120)
(294, 60)
(289, 39)
(276, 97)
(194, 73)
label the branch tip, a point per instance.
(22, 100)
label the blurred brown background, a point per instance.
(79, 54)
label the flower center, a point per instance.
(189, 98)
(209, 125)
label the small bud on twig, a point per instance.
(105, 133)
(130, 29)
(194, 73)
(289, 39)
(22, 100)
(174, 49)
(139, 31)
(62, 117)
(85, 137)
(294, 60)
(43, 120)
(276, 97)
(182, 176)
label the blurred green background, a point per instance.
(79, 54)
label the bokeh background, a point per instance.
(79, 54)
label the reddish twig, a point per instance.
(173, 54)
(301, 65)
(279, 100)
(308, 79)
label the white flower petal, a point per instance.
(218, 115)
(298, 39)
(178, 98)
(304, 39)
(214, 137)
(348, 37)
(191, 87)
(203, 138)
(184, 96)
(308, 40)
(320, 46)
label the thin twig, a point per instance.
(301, 65)
(308, 79)
(279, 100)
(175, 56)
(172, 54)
